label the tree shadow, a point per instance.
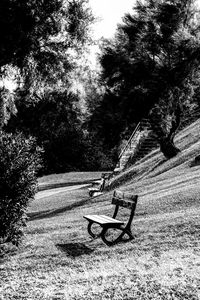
(74, 249)
(195, 162)
(54, 212)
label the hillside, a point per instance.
(58, 259)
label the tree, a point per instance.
(7, 106)
(151, 64)
(54, 122)
(39, 40)
(37, 29)
(58, 35)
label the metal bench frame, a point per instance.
(98, 187)
(120, 199)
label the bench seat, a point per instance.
(93, 189)
(110, 226)
(103, 220)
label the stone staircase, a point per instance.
(127, 151)
(139, 144)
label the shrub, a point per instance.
(20, 160)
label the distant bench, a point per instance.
(120, 199)
(99, 186)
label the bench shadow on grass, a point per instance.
(74, 249)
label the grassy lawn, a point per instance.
(59, 260)
(70, 178)
(57, 203)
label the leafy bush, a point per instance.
(20, 159)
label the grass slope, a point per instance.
(58, 259)
(67, 179)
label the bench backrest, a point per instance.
(106, 175)
(123, 199)
(102, 184)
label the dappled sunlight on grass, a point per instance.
(59, 260)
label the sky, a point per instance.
(110, 13)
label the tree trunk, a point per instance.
(166, 140)
(168, 148)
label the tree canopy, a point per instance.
(149, 66)
(44, 51)
(40, 28)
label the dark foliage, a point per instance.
(107, 122)
(43, 39)
(30, 28)
(149, 67)
(96, 156)
(23, 24)
(19, 163)
(54, 122)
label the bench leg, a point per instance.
(119, 238)
(94, 235)
(129, 233)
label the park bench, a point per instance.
(99, 186)
(120, 199)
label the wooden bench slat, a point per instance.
(102, 219)
(96, 218)
(125, 203)
(112, 220)
(124, 195)
(94, 189)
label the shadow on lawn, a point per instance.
(74, 249)
(54, 212)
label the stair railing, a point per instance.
(128, 144)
